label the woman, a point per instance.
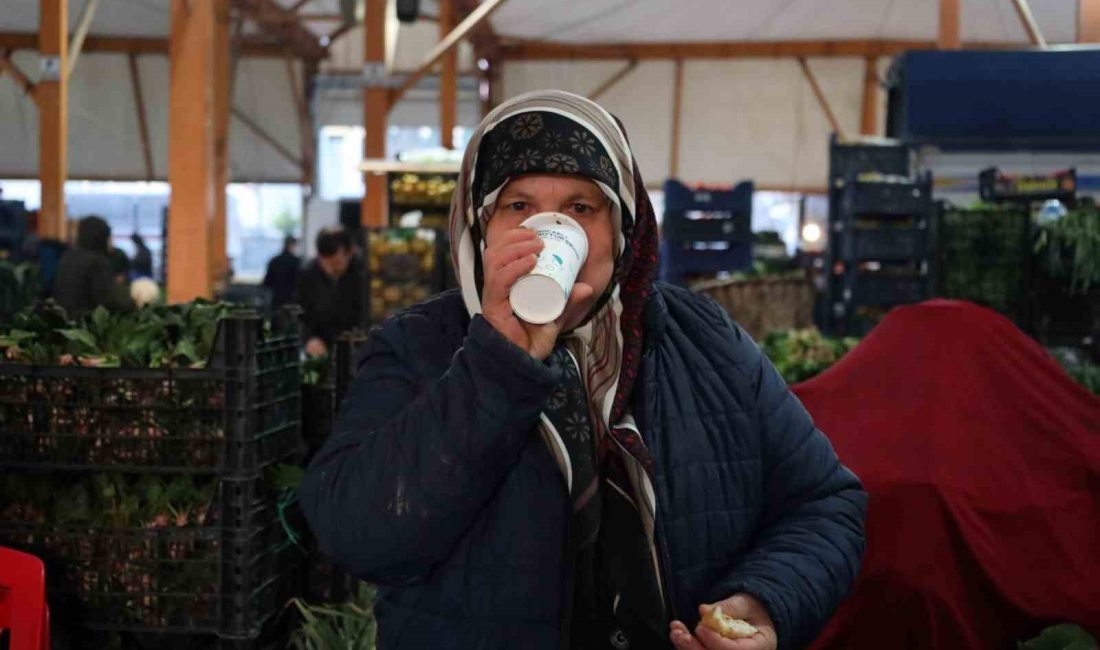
(594, 482)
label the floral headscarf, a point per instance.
(558, 132)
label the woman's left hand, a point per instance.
(742, 606)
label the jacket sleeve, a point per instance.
(808, 549)
(105, 291)
(303, 297)
(409, 465)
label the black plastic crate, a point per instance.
(883, 198)
(228, 576)
(881, 289)
(859, 244)
(235, 416)
(854, 158)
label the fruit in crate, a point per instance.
(392, 294)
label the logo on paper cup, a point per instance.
(540, 296)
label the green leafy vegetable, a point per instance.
(1066, 636)
(1070, 247)
(348, 626)
(801, 354)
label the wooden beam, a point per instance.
(262, 133)
(949, 34)
(1088, 21)
(1027, 19)
(251, 45)
(677, 113)
(191, 149)
(143, 124)
(225, 58)
(448, 78)
(552, 51)
(86, 16)
(820, 95)
(52, 93)
(615, 78)
(284, 26)
(868, 115)
(8, 66)
(376, 107)
(305, 123)
(476, 17)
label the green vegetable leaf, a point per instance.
(87, 343)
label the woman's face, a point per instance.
(575, 197)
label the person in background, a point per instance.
(120, 265)
(330, 292)
(86, 276)
(282, 273)
(142, 265)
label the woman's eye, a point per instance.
(581, 208)
(518, 206)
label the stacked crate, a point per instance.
(882, 225)
(223, 569)
(705, 232)
(403, 268)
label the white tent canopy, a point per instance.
(741, 117)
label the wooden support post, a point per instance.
(1027, 19)
(949, 38)
(143, 124)
(376, 108)
(677, 109)
(52, 93)
(191, 149)
(868, 116)
(223, 99)
(615, 78)
(1088, 21)
(448, 78)
(820, 96)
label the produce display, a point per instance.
(132, 448)
(984, 255)
(429, 194)
(179, 336)
(801, 354)
(1069, 247)
(402, 269)
(66, 399)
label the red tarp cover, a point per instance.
(982, 461)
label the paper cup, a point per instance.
(540, 296)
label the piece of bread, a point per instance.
(730, 628)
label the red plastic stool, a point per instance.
(23, 610)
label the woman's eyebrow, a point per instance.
(577, 196)
(516, 195)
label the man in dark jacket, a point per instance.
(330, 292)
(85, 275)
(282, 273)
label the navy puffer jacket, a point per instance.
(436, 486)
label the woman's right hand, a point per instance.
(505, 262)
